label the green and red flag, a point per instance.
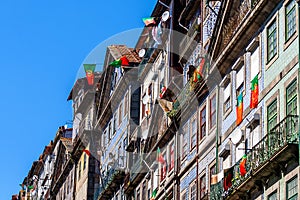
(123, 61)
(163, 89)
(239, 109)
(243, 169)
(160, 157)
(89, 71)
(254, 92)
(200, 67)
(87, 152)
(149, 20)
(228, 175)
(153, 195)
(30, 187)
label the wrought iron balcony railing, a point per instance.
(283, 134)
(107, 181)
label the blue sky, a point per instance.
(42, 45)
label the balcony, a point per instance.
(239, 26)
(267, 157)
(133, 138)
(84, 101)
(110, 183)
(136, 175)
(189, 41)
(186, 94)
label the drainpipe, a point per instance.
(298, 2)
(217, 128)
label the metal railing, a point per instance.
(284, 133)
(107, 180)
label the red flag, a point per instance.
(89, 71)
(239, 109)
(124, 61)
(254, 92)
(87, 152)
(160, 157)
(243, 170)
(228, 175)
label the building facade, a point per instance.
(207, 107)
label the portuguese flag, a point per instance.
(196, 76)
(243, 169)
(228, 175)
(153, 195)
(89, 71)
(239, 109)
(148, 21)
(87, 152)
(254, 92)
(200, 67)
(123, 61)
(160, 157)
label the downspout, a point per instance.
(217, 128)
(298, 2)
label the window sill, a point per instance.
(269, 63)
(225, 115)
(289, 41)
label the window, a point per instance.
(240, 77)
(144, 191)
(115, 123)
(138, 197)
(273, 196)
(272, 115)
(109, 131)
(183, 196)
(212, 171)
(255, 63)
(292, 189)
(79, 170)
(126, 104)
(163, 168)
(172, 156)
(193, 191)
(84, 161)
(212, 111)
(184, 141)
(227, 99)
(193, 132)
(291, 99)
(202, 186)
(272, 40)
(290, 19)
(120, 113)
(143, 107)
(202, 122)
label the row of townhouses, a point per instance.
(205, 107)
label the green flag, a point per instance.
(89, 71)
(116, 63)
(153, 194)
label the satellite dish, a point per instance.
(142, 52)
(165, 16)
(236, 136)
(146, 99)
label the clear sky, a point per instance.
(42, 45)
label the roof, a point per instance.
(82, 83)
(122, 50)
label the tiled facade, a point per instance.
(164, 133)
